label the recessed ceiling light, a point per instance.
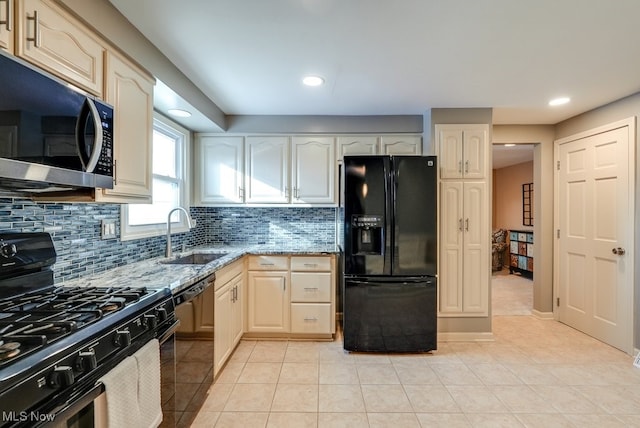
(509, 145)
(179, 112)
(313, 80)
(559, 101)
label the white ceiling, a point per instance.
(504, 156)
(382, 57)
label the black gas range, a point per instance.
(56, 342)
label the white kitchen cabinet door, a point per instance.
(237, 311)
(219, 172)
(7, 25)
(450, 156)
(267, 170)
(401, 145)
(269, 302)
(52, 39)
(462, 151)
(313, 170)
(130, 91)
(451, 247)
(464, 246)
(357, 145)
(475, 289)
(222, 347)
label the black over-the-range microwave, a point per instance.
(53, 136)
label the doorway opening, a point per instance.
(513, 240)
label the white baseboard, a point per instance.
(465, 337)
(542, 315)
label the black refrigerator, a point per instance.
(390, 253)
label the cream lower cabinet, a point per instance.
(464, 246)
(291, 296)
(130, 91)
(268, 294)
(52, 39)
(228, 312)
(312, 291)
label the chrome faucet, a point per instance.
(190, 223)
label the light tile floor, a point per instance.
(535, 373)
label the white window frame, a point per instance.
(183, 135)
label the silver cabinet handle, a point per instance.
(460, 167)
(36, 29)
(311, 264)
(8, 22)
(460, 225)
(284, 284)
(314, 319)
(466, 225)
(310, 288)
(466, 167)
(266, 264)
(618, 251)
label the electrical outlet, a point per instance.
(108, 229)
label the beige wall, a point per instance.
(507, 195)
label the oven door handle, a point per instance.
(73, 405)
(169, 332)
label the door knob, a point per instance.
(619, 251)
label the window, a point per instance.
(170, 150)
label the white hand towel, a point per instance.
(121, 389)
(148, 398)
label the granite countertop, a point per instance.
(156, 273)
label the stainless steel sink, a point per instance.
(195, 259)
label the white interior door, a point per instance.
(596, 224)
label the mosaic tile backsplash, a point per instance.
(75, 229)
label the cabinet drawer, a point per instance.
(311, 286)
(268, 263)
(311, 318)
(318, 263)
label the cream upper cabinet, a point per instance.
(313, 170)
(52, 39)
(219, 170)
(267, 170)
(463, 151)
(7, 25)
(401, 145)
(130, 91)
(357, 145)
